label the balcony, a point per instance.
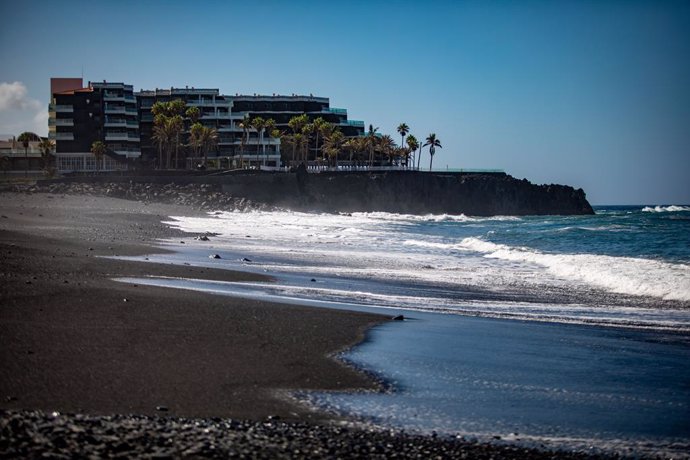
(61, 108)
(358, 123)
(128, 152)
(115, 109)
(60, 122)
(61, 136)
(115, 123)
(122, 136)
(113, 97)
(334, 110)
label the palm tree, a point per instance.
(259, 124)
(209, 141)
(318, 125)
(270, 128)
(403, 129)
(46, 147)
(371, 136)
(333, 144)
(296, 124)
(159, 138)
(25, 138)
(432, 142)
(98, 149)
(306, 133)
(245, 124)
(195, 134)
(412, 145)
(387, 147)
(193, 113)
(297, 144)
(175, 127)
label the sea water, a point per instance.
(552, 327)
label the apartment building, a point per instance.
(215, 112)
(79, 116)
(121, 118)
(282, 108)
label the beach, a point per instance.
(75, 341)
(103, 367)
(93, 366)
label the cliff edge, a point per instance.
(411, 192)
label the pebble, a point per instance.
(35, 434)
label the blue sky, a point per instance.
(592, 94)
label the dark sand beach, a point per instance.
(76, 342)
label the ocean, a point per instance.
(570, 330)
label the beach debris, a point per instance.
(399, 318)
(162, 408)
(125, 300)
(201, 238)
(244, 259)
(214, 256)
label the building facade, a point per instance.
(121, 118)
(215, 112)
(282, 108)
(79, 116)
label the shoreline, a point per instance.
(98, 362)
(82, 342)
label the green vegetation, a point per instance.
(432, 142)
(305, 140)
(98, 149)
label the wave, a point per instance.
(623, 275)
(432, 217)
(672, 208)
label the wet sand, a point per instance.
(73, 340)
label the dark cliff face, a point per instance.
(412, 193)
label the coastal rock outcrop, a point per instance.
(408, 192)
(413, 193)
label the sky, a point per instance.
(593, 94)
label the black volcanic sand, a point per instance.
(74, 341)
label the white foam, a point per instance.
(672, 208)
(624, 275)
(374, 245)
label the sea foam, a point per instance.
(623, 275)
(672, 208)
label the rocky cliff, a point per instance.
(411, 193)
(407, 192)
